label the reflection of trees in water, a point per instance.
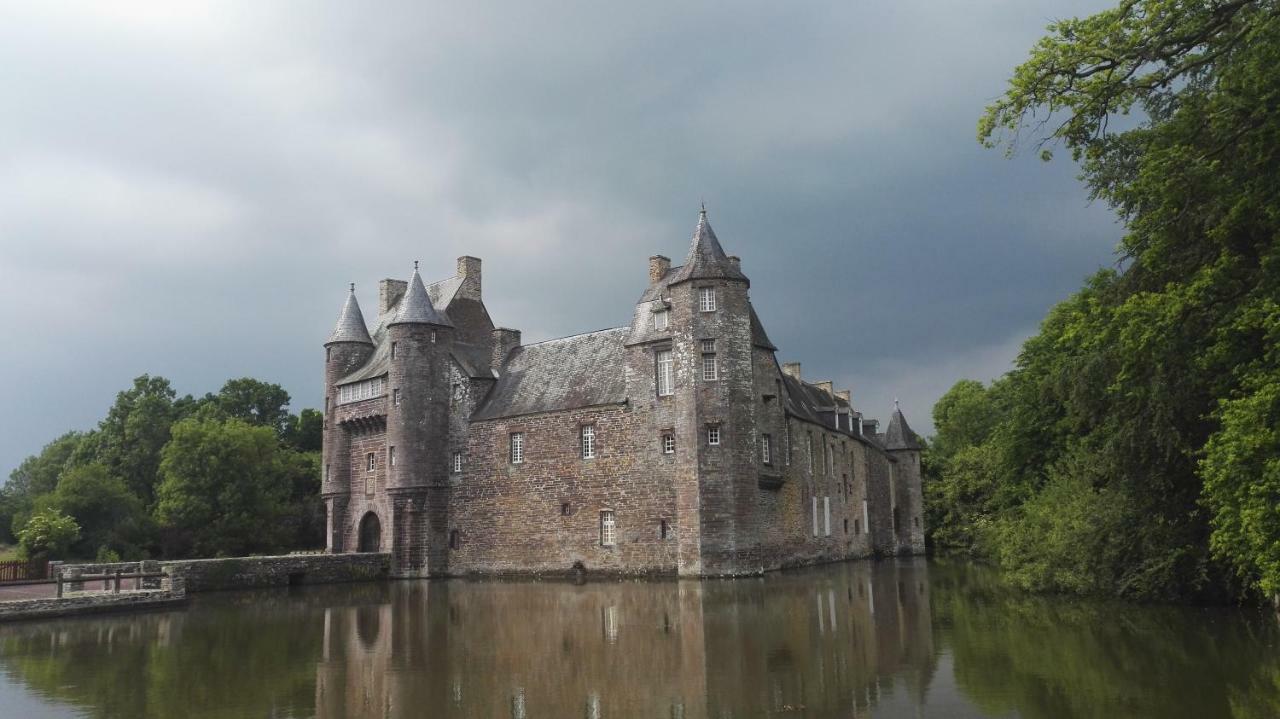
(1052, 658)
(825, 642)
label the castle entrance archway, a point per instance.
(370, 533)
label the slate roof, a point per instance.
(579, 371)
(707, 259)
(350, 327)
(416, 307)
(899, 434)
(812, 404)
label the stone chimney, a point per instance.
(389, 292)
(504, 340)
(658, 266)
(736, 262)
(792, 370)
(844, 395)
(828, 386)
(469, 271)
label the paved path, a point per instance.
(10, 592)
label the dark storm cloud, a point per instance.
(186, 190)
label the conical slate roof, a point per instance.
(707, 259)
(416, 307)
(899, 435)
(350, 327)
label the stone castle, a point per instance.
(675, 445)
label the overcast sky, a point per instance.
(187, 189)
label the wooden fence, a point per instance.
(23, 569)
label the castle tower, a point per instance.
(711, 348)
(421, 338)
(348, 347)
(908, 488)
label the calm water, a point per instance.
(853, 640)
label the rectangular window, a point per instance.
(710, 372)
(668, 443)
(391, 456)
(826, 514)
(565, 509)
(328, 473)
(811, 453)
(666, 373)
(326, 404)
(857, 527)
(608, 529)
(713, 435)
(707, 299)
(371, 462)
(588, 441)
(395, 397)
(866, 519)
(660, 320)
(766, 449)
(815, 515)
(663, 529)
(457, 462)
(360, 390)
(393, 350)
(517, 447)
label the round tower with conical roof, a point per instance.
(421, 339)
(908, 488)
(348, 348)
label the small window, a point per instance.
(668, 443)
(395, 397)
(326, 404)
(713, 435)
(372, 462)
(846, 526)
(857, 527)
(660, 320)
(433, 336)
(608, 529)
(393, 350)
(710, 371)
(391, 456)
(916, 521)
(588, 433)
(766, 448)
(707, 299)
(328, 472)
(826, 513)
(457, 462)
(455, 540)
(565, 509)
(517, 447)
(663, 529)
(665, 369)
(328, 354)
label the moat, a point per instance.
(903, 638)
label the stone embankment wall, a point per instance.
(207, 575)
(168, 591)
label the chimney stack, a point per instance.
(658, 266)
(736, 262)
(469, 271)
(844, 395)
(827, 386)
(504, 341)
(792, 370)
(389, 292)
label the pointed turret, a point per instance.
(899, 435)
(707, 259)
(350, 327)
(416, 307)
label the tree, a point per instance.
(48, 534)
(136, 428)
(255, 402)
(221, 488)
(305, 432)
(36, 475)
(109, 515)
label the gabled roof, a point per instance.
(350, 327)
(579, 371)
(899, 435)
(707, 259)
(416, 307)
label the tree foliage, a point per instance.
(48, 534)
(1135, 450)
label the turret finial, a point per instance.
(703, 202)
(415, 265)
(353, 288)
(895, 403)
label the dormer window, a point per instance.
(707, 299)
(358, 391)
(660, 319)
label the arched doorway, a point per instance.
(370, 533)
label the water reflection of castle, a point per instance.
(829, 642)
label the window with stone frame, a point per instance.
(710, 370)
(713, 435)
(661, 318)
(707, 299)
(664, 369)
(668, 443)
(588, 438)
(608, 528)
(393, 350)
(395, 397)
(371, 462)
(457, 462)
(766, 448)
(517, 447)
(391, 456)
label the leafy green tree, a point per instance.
(36, 475)
(110, 516)
(221, 490)
(255, 402)
(305, 432)
(48, 534)
(136, 428)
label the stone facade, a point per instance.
(674, 445)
